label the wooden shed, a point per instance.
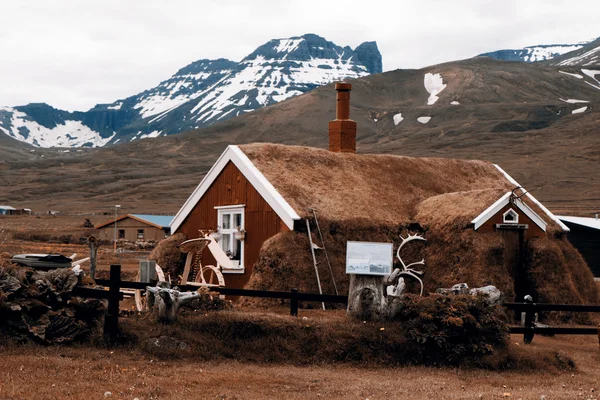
(136, 227)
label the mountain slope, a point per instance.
(541, 52)
(526, 117)
(587, 56)
(198, 95)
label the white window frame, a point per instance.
(516, 214)
(235, 209)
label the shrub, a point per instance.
(449, 329)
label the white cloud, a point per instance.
(73, 54)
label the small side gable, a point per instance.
(252, 174)
(503, 202)
(533, 199)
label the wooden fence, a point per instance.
(530, 309)
(115, 284)
(114, 295)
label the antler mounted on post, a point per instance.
(407, 270)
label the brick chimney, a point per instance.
(342, 130)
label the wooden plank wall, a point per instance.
(261, 222)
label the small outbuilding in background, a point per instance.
(136, 227)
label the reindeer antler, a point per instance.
(407, 269)
(405, 240)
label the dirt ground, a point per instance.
(32, 372)
(17, 237)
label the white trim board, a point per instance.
(227, 207)
(501, 203)
(255, 177)
(587, 222)
(536, 201)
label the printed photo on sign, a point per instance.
(369, 258)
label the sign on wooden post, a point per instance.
(369, 258)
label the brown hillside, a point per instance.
(509, 113)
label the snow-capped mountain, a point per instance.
(200, 94)
(535, 53)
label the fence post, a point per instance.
(529, 320)
(294, 303)
(111, 320)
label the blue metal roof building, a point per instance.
(160, 220)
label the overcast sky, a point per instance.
(73, 54)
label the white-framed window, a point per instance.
(510, 217)
(231, 221)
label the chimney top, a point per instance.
(342, 130)
(343, 86)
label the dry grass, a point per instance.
(168, 255)
(87, 372)
(454, 253)
(380, 188)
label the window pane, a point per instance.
(237, 249)
(237, 220)
(226, 243)
(226, 221)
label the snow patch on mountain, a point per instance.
(573, 101)
(579, 110)
(272, 83)
(591, 73)
(434, 85)
(571, 74)
(287, 45)
(152, 134)
(424, 120)
(398, 118)
(70, 133)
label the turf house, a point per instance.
(481, 227)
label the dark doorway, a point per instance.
(514, 256)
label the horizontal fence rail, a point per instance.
(327, 298)
(293, 295)
(530, 328)
(554, 331)
(551, 307)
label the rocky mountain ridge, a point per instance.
(198, 95)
